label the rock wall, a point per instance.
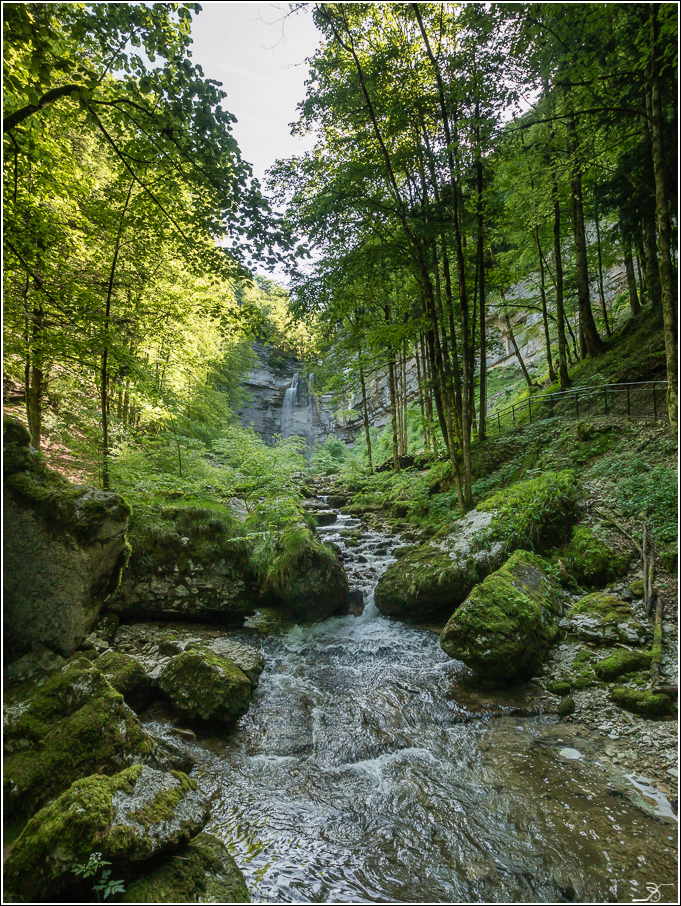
(64, 550)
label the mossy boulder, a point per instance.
(605, 619)
(188, 563)
(315, 587)
(621, 662)
(206, 686)
(562, 687)
(643, 701)
(202, 872)
(437, 576)
(591, 561)
(567, 707)
(505, 628)
(64, 550)
(127, 676)
(129, 817)
(72, 725)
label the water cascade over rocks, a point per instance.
(369, 769)
(298, 412)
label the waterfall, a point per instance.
(288, 408)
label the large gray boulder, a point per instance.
(204, 685)
(64, 550)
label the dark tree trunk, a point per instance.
(366, 416)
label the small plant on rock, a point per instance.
(104, 886)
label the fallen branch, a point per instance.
(656, 659)
(620, 528)
(668, 690)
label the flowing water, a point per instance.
(367, 770)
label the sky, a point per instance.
(260, 59)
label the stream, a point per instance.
(368, 769)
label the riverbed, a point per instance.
(370, 769)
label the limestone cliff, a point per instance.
(64, 550)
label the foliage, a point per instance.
(105, 885)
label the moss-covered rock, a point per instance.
(591, 561)
(127, 676)
(562, 687)
(206, 686)
(567, 707)
(643, 701)
(188, 563)
(73, 725)
(621, 662)
(606, 619)
(505, 628)
(64, 548)
(437, 576)
(128, 818)
(202, 872)
(636, 588)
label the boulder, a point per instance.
(206, 686)
(621, 662)
(591, 561)
(203, 872)
(127, 676)
(505, 628)
(72, 725)
(192, 564)
(437, 576)
(64, 550)
(605, 619)
(644, 702)
(128, 818)
(316, 587)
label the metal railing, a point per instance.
(643, 399)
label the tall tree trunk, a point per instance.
(544, 308)
(631, 281)
(419, 378)
(650, 265)
(104, 375)
(36, 388)
(365, 409)
(600, 272)
(590, 342)
(393, 412)
(564, 377)
(663, 224)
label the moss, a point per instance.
(505, 628)
(560, 688)
(165, 804)
(75, 724)
(206, 686)
(636, 588)
(126, 675)
(591, 561)
(621, 662)
(64, 834)
(534, 513)
(204, 870)
(643, 701)
(566, 707)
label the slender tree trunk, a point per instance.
(631, 281)
(650, 265)
(393, 412)
(36, 389)
(544, 308)
(663, 224)
(560, 308)
(600, 272)
(419, 378)
(517, 353)
(366, 416)
(104, 376)
(590, 342)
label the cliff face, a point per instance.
(64, 550)
(304, 414)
